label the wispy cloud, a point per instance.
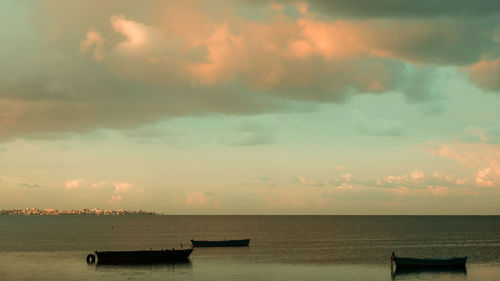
(377, 127)
(483, 158)
(202, 199)
(308, 182)
(29, 185)
(253, 133)
(73, 183)
(93, 40)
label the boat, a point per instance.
(452, 271)
(151, 256)
(443, 262)
(221, 243)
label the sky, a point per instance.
(251, 107)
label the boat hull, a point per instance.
(430, 262)
(160, 256)
(223, 243)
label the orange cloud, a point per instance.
(485, 74)
(122, 186)
(73, 183)
(115, 199)
(437, 190)
(177, 54)
(417, 175)
(339, 39)
(99, 184)
(303, 7)
(277, 7)
(476, 155)
(483, 177)
(201, 199)
(93, 38)
(137, 34)
(225, 59)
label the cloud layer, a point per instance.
(123, 64)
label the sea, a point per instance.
(281, 247)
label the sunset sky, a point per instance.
(251, 107)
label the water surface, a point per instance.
(281, 247)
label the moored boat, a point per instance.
(152, 256)
(221, 243)
(405, 262)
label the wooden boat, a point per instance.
(152, 256)
(221, 243)
(428, 262)
(453, 271)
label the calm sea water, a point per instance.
(281, 247)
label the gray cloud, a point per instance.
(252, 133)
(419, 87)
(29, 185)
(377, 127)
(407, 8)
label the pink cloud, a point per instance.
(482, 156)
(399, 179)
(73, 183)
(437, 190)
(402, 190)
(258, 52)
(434, 190)
(115, 199)
(226, 56)
(121, 187)
(417, 175)
(485, 74)
(483, 177)
(201, 199)
(93, 39)
(137, 34)
(99, 184)
(303, 7)
(277, 7)
(309, 182)
(330, 40)
(171, 50)
(443, 176)
(196, 199)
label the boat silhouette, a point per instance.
(442, 262)
(221, 243)
(143, 256)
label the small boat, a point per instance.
(221, 243)
(151, 256)
(456, 271)
(428, 262)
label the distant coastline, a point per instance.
(79, 212)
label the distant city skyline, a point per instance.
(251, 107)
(56, 212)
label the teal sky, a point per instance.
(251, 107)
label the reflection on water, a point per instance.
(152, 266)
(451, 273)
